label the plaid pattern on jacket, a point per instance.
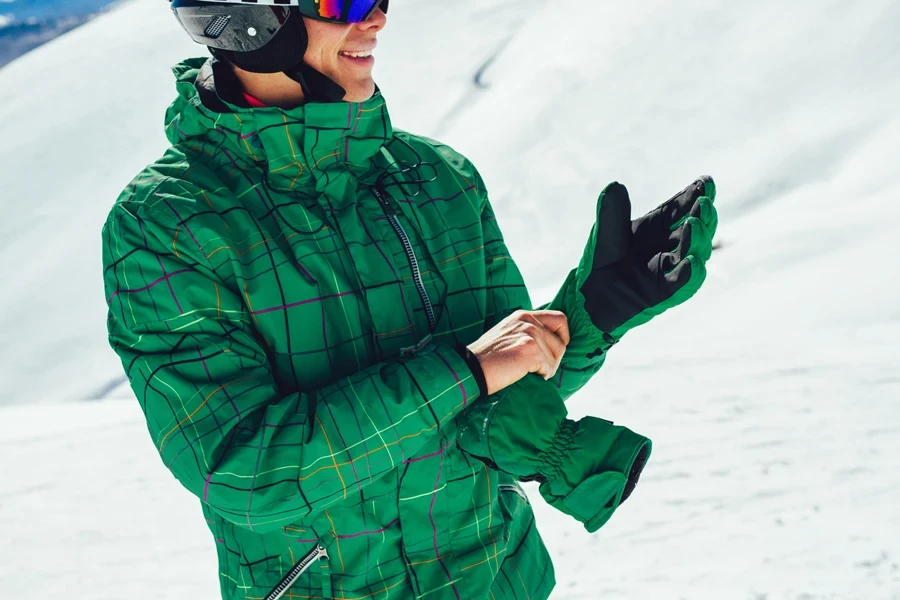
(266, 313)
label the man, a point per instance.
(308, 303)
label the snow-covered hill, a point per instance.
(26, 24)
(773, 397)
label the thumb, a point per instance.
(611, 234)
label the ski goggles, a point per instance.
(340, 11)
(335, 11)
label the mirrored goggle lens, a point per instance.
(343, 11)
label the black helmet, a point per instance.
(268, 36)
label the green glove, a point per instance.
(586, 468)
(632, 271)
(592, 469)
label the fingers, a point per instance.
(685, 279)
(551, 345)
(676, 209)
(651, 232)
(679, 207)
(556, 322)
(684, 269)
(548, 361)
(706, 211)
(709, 187)
(522, 343)
(693, 238)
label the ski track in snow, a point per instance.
(771, 397)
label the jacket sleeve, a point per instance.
(506, 293)
(260, 458)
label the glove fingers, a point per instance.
(678, 208)
(709, 187)
(650, 231)
(693, 238)
(612, 230)
(706, 211)
(681, 282)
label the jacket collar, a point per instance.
(313, 144)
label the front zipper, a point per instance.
(384, 200)
(317, 553)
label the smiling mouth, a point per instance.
(359, 58)
(362, 54)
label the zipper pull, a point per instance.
(325, 571)
(321, 553)
(384, 199)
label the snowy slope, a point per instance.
(81, 116)
(26, 24)
(773, 397)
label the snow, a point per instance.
(771, 397)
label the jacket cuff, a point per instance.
(475, 366)
(442, 377)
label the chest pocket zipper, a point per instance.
(384, 200)
(316, 555)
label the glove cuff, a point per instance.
(550, 462)
(502, 432)
(586, 339)
(592, 495)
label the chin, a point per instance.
(360, 92)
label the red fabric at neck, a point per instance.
(253, 102)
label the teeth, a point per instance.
(357, 54)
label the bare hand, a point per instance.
(522, 343)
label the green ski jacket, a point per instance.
(285, 290)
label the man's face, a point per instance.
(330, 44)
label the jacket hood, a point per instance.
(345, 137)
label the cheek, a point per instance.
(325, 41)
(327, 57)
(317, 58)
(321, 46)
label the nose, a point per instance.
(376, 21)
